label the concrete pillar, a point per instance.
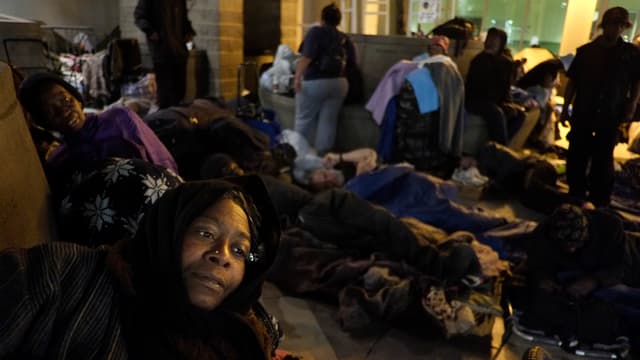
(577, 25)
(290, 23)
(230, 46)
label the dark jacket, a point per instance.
(602, 256)
(489, 79)
(169, 19)
(603, 77)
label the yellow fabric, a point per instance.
(25, 209)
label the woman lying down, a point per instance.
(186, 286)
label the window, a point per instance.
(366, 16)
(527, 22)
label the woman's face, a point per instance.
(214, 248)
(62, 110)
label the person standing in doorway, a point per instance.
(604, 87)
(320, 82)
(168, 29)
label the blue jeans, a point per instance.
(317, 107)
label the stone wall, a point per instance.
(230, 52)
(100, 15)
(290, 23)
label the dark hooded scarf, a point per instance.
(62, 300)
(161, 321)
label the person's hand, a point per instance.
(550, 286)
(366, 165)
(330, 159)
(582, 287)
(154, 37)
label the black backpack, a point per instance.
(332, 63)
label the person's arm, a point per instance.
(309, 51)
(133, 139)
(633, 101)
(365, 160)
(569, 94)
(189, 32)
(303, 63)
(355, 156)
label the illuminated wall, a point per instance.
(577, 25)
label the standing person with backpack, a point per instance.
(320, 82)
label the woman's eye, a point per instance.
(240, 252)
(205, 234)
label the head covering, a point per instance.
(440, 40)
(159, 320)
(616, 15)
(156, 251)
(568, 223)
(31, 90)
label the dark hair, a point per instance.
(536, 76)
(568, 223)
(34, 87)
(501, 34)
(331, 15)
(616, 15)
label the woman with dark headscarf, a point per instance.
(186, 286)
